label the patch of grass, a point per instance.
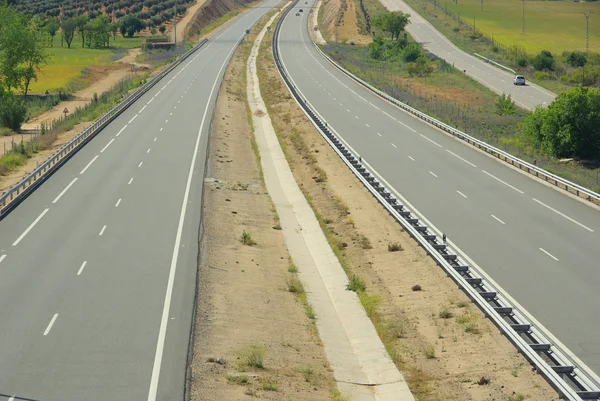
(10, 161)
(429, 352)
(445, 313)
(6, 131)
(515, 372)
(365, 243)
(356, 284)
(370, 303)
(252, 356)
(462, 304)
(335, 395)
(292, 268)
(394, 247)
(294, 285)
(516, 397)
(235, 379)
(269, 385)
(246, 239)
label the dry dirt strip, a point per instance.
(361, 365)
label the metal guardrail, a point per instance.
(23, 188)
(489, 60)
(522, 165)
(569, 380)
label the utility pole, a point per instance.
(481, 5)
(587, 14)
(175, 24)
(523, 17)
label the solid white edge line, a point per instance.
(89, 164)
(500, 221)
(122, 129)
(102, 231)
(549, 254)
(81, 268)
(152, 392)
(107, 145)
(466, 161)
(30, 227)
(461, 194)
(64, 190)
(50, 324)
(563, 215)
(431, 140)
(503, 182)
(134, 117)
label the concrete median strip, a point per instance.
(361, 366)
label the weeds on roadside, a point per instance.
(356, 284)
(365, 243)
(335, 395)
(395, 247)
(246, 239)
(294, 285)
(445, 313)
(253, 356)
(241, 379)
(429, 352)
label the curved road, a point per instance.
(540, 245)
(496, 79)
(98, 266)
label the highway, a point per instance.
(98, 265)
(496, 79)
(541, 246)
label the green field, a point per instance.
(66, 64)
(556, 26)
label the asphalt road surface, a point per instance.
(498, 80)
(540, 245)
(98, 265)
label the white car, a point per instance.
(519, 80)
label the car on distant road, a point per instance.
(519, 80)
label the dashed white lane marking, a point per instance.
(166, 121)
(179, 101)
(148, 151)
(107, 145)
(175, 108)
(163, 88)
(433, 174)
(411, 158)
(2, 258)
(348, 110)
(367, 125)
(81, 268)
(549, 254)
(89, 164)
(118, 203)
(140, 165)
(30, 227)
(130, 181)
(356, 117)
(142, 109)
(461, 194)
(161, 129)
(134, 117)
(466, 161)
(122, 129)
(394, 145)
(430, 140)
(102, 231)
(150, 101)
(155, 138)
(341, 104)
(50, 324)
(64, 190)
(335, 99)
(171, 114)
(375, 106)
(564, 215)
(498, 219)
(503, 182)
(378, 134)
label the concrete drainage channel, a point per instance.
(552, 362)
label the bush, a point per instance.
(411, 53)
(544, 76)
(356, 284)
(420, 68)
(505, 105)
(576, 59)
(13, 111)
(543, 61)
(253, 356)
(246, 239)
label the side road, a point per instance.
(499, 81)
(360, 362)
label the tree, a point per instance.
(570, 126)
(12, 110)
(81, 23)
(34, 56)
(543, 61)
(162, 29)
(392, 22)
(130, 25)
(114, 29)
(98, 32)
(576, 59)
(68, 29)
(52, 27)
